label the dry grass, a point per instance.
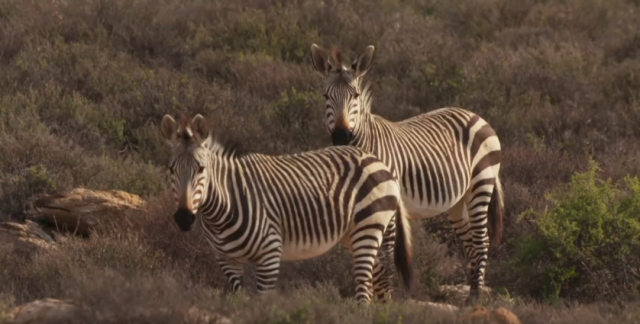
(133, 277)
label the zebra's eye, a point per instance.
(356, 95)
(200, 170)
(171, 170)
(326, 96)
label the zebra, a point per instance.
(264, 209)
(447, 160)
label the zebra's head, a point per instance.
(189, 165)
(343, 109)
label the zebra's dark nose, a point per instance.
(185, 219)
(341, 136)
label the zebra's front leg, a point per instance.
(268, 263)
(233, 271)
(268, 269)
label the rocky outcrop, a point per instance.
(198, 316)
(27, 234)
(82, 211)
(499, 315)
(51, 310)
(434, 306)
(477, 314)
(43, 311)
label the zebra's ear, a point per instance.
(363, 62)
(200, 128)
(169, 129)
(320, 59)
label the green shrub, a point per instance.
(588, 242)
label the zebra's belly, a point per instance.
(423, 209)
(292, 251)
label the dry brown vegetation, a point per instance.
(83, 85)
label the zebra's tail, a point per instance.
(496, 212)
(403, 256)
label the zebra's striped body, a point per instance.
(447, 160)
(263, 209)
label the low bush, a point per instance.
(587, 244)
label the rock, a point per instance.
(195, 315)
(436, 306)
(83, 210)
(43, 311)
(458, 294)
(144, 314)
(49, 310)
(499, 315)
(28, 233)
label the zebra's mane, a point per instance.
(219, 145)
(337, 56)
(366, 93)
(225, 147)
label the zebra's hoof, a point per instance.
(472, 300)
(363, 302)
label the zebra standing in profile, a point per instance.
(264, 208)
(447, 160)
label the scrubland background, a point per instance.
(85, 83)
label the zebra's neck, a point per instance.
(364, 131)
(218, 205)
(373, 134)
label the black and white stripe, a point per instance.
(263, 208)
(447, 160)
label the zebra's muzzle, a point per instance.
(341, 136)
(185, 219)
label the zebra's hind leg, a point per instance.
(233, 271)
(365, 241)
(477, 203)
(381, 281)
(382, 277)
(459, 218)
(469, 219)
